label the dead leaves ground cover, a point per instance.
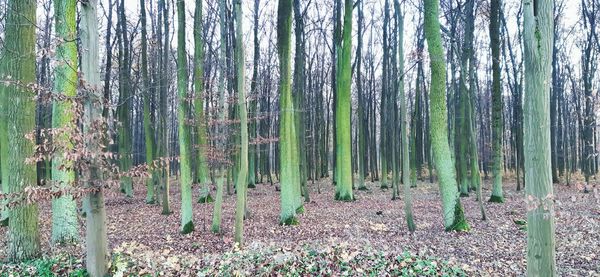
(145, 241)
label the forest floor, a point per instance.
(495, 247)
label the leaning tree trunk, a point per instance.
(454, 218)
(183, 111)
(18, 65)
(97, 256)
(538, 21)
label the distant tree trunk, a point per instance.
(452, 209)
(299, 97)
(18, 64)
(222, 174)
(64, 209)
(383, 145)
(163, 134)
(361, 117)
(183, 112)
(497, 106)
(241, 184)
(538, 36)
(343, 112)
(287, 132)
(253, 161)
(124, 106)
(97, 256)
(404, 121)
(150, 142)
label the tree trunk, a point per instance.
(18, 65)
(497, 128)
(538, 37)
(452, 209)
(241, 184)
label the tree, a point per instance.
(163, 142)
(497, 110)
(287, 130)
(183, 111)
(538, 36)
(404, 121)
(202, 165)
(97, 257)
(64, 209)
(454, 218)
(17, 66)
(241, 184)
(221, 171)
(150, 142)
(343, 109)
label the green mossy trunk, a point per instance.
(183, 111)
(538, 36)
(202, 139)
(18, 65)
(343, 191)
(362, 128)
(438, 120)
(288, 151)
(497, 133)
(64, 209)
(162, 141)
(241, 184)
(150, 143)
(97, 256)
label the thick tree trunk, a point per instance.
(64, 209)
(18, 64)
(343, 112)
(538, 37)
(497, 106)
(287, 132)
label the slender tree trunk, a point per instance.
(404, 121)
(497, 128)
(241, 184)
(183, 112)
(150, 143)
(538, 36)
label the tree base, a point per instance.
(300, 210)
(151, 201)
(251, 186)
(205, 199)
(187, 228)
(460, 222)
(292, 220)
(384, 186)
(496, 199)
(166, 213)
(363, 188)
(215, 229)
(464, 194)
(346, 197)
